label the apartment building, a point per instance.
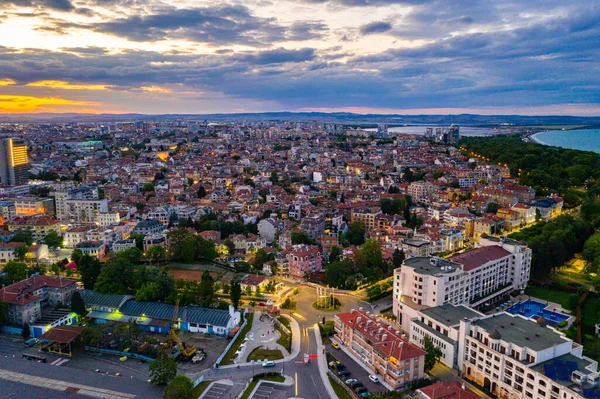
(39, 226)
(420, 191)
(515, 358)
(74, 236)
(303, 259)
(27, 297)
(74, 193)
(364, 216)
(383, 349)
(313, 226)
(148, 226)
(481, 275)
(28, 206)
(84, 210)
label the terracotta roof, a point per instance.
(448, 390)
(383, 337)
(62, 334)
(21, 293)
(479, 256)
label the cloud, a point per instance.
(375, 27)
(6, 82)
(306, 30)
(60, 5)
(155, 89)
(62, 85)
(17, 104)
(276, 56)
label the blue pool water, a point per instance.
(534, 309)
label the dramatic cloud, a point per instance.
(375, 27)
(155, 56)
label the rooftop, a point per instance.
(430, 265)
(520, 331)
(480, 256)
(450, 315)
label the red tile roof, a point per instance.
(448, 390)
(383, 337)
(479, 256)
(21, 293)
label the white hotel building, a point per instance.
(473, 278)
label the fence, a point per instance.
(198, 381)
(119, 353)
(231, 342)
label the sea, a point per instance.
(580, 139)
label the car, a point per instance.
(335, 345)
(269, 363)
(344, 373)
(360, 389)
(351, 382)
(365, 394)
(334, 364)
(374, 378)
(262, 304)
(31, 341)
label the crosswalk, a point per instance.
(59, 362)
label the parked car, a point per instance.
(359, 390)
(365, 394)
(374, 378)
(343, 373)
(269, 363)
(262, 304)
(352, 382)
(333, 363)
(335, 345)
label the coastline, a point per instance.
(534, 137)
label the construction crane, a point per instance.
(187, 351)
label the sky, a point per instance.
(528, 57)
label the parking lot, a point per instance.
(217, 390)
(268, 390)
(356, 371)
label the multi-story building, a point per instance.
(526, 213)
(27, 297)
(303, 260)
(419, 191)
(313, 226)
(7, 210)
(514, 357)
(383, 349)
(152, 240)
(74, 236)
(108, 218)
(123, 245)
(28, 206)
(471, 278)
(148, 226)
(14, 162)
(364, 216)
(85, 210)
(39, 226)
(74, 193)
(92, 248)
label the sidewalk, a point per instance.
(296, 342)
(322, 363)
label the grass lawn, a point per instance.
(248, 391)
(196, 392)
(551, 295)
(259, 354)
(315, 306)
(339, 390)
(286, 339)
(230, 356)
(590, 314)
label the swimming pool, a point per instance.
(534, 309)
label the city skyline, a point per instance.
(362, 56)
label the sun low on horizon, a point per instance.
(363, 56)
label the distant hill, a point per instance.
(338, 117)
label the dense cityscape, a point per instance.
(344, 260)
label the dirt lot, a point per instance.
(192, 275)
(213, 346)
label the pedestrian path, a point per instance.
(322, 363)
(62, 386)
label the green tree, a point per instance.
(21, 252)
(163, 370)
(492, 207)
(88, 267)
(248, 290)
(206, 290)
(148, 292)
(23, 235)
(180, 388)
(116, 277)
(356, 233)
(230, 246)
(77, 304)
(53, 239)
(206, 248)
(16, 271)
(300, 237)
(335, 254)
(433, 354)
(139, 240)
(147, 188)
(133, 255)
(156, 254)
(398, 257)
(235, 293)
(189, 250)
(201, 192)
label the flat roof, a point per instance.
(423, 265)
(61, 334)
(520, 331)
(449, 314)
